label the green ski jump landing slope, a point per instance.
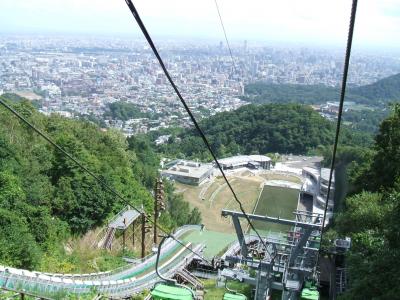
(276, 201)
(216, 242)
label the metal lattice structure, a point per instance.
(286, 263)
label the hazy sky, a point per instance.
(307, 21)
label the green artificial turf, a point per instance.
(276, 202)
(217, 242)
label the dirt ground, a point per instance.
(211, 197)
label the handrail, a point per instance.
(47, 284)
(178, 232)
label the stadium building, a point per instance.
(245, 161)
(188, 172)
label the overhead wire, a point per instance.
(139, 21)
(97, 178)
(226, 36)
(235, 69)
(149, 40)
(340, 113)
(341, 103)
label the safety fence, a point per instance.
(121, 281)
(42, 285)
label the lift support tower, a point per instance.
(287, 261)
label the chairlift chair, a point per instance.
(232, 294)
(169, 289)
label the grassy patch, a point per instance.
(212, 292)
(218, 196)
(88, 261)
(247, 192)
(278, 176)
(211, 189)
(215, 241)
(80, 254)
(276, 202)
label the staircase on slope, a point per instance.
(186, 277)
(106, 242)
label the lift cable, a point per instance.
(227, 42)
(200, 131)
(342, 95)
(96, 177)
(226, 36)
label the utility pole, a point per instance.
(145, 229)
(143, 233)
(159, 205)
(133, 234)
(123, 236)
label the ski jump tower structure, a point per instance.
(286, 263)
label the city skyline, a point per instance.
(78, 77)
(319, 23)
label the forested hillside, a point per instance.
(371, 215)
(261, 92)
(378, 94)
(124, 111)
(384, 90)
(45, 198)
(365, 120)
(283, 128)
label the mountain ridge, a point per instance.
(376, 94)
(259, 129)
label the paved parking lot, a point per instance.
(299, 161)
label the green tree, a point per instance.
(18, 247)
(371, 218)
(385, 167)
(45, 197)
(284, 128)
(124, 111)
(371, 221)
(11, 192)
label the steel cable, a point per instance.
(193, 119)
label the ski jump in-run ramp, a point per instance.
(121, 282)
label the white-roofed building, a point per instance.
(189, 172)
(249, 161)
(315, 186)
(324, 183)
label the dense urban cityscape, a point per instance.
(78, 75)
(213, 150)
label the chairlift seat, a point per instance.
(169, 292)
(232, 296)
